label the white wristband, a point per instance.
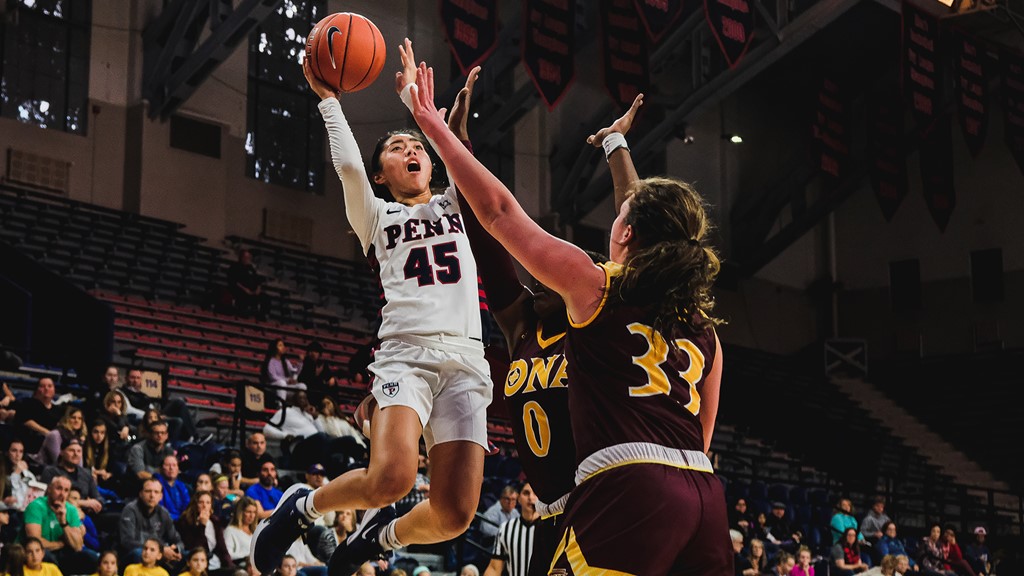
(613, 142)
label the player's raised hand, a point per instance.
(407, 75)
(321, 88)
(621, 125)
(458, 120)
(424, 111)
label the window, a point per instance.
(284, 139)
(44, 74)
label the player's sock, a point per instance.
(387, 537)
(305, 505)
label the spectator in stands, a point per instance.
(847, 559)
(238, 534)
(7, 404)
(500, 512)
(741, 563)
(175, 494)
(871, 526)
(279, 371)
(57, 525)
(886, 567)
(69, 466)
(115, 416)
(759, 530)
(230, 467)
(740, 517)
(890, 543)
(779, 531)
(198, 528)
(316, 373)
(96, 454)
(954, 555)
(756, 555)
(245, 284)
(254, 455)
(842, 519)
(70, 425)
(467, 570)
(108, 564)
(265, 492)
(903, 565)
(224, 500)
(97, 400)
(148, 560)
(508, 552)
(977, 553)
(930, 554)
(420, 488)
(19, 476)
(803, 566)
(784, 563)
(144, 518)
(34, 564)
(344, 525)
(38, 415)
(197, 562)
(202, 483)
(90, 536)
(334, 424)
(182, 425)
(146, 456)
(303, 440)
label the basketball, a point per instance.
(346, 51)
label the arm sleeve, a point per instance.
(273, 432)
(128, 531)
(135, 461)
(360, 203)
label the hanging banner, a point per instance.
(937, 170)
(626, 64)
(732, 24)
(658, 16)
(832, 130)
(971, 64)
(1013, 104)
(887, 163)
(549, 45)
(471, 28)
(922, 75)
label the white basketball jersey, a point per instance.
(426, 268)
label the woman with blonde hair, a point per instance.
(238, 534)
(70, 425)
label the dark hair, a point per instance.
(16, 558)
(191, 513)
(672, 265)
(437, 177)
(97, 455)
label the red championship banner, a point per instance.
(471, 28)
(937, 169)
(732, 24)
(1013, 103)
(922, 74)
(549, 42)
(658, 16)
(887, 163)
(971, 65)
(832, 130)
(626, 64)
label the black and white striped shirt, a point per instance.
(514, 544)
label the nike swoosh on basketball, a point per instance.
(330, 43)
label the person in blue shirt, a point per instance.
(176, 494)
(265, 492)
(889, 543)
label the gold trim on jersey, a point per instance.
(610, 269)
(548, 342)
(630, 453)
(577, 561)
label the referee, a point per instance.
(514, 541)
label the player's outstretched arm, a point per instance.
(554, 262)
(620, 162)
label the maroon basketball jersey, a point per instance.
(537, 399)
(633, 384)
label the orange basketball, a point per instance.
(346, 51)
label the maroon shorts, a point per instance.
(648, 520)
